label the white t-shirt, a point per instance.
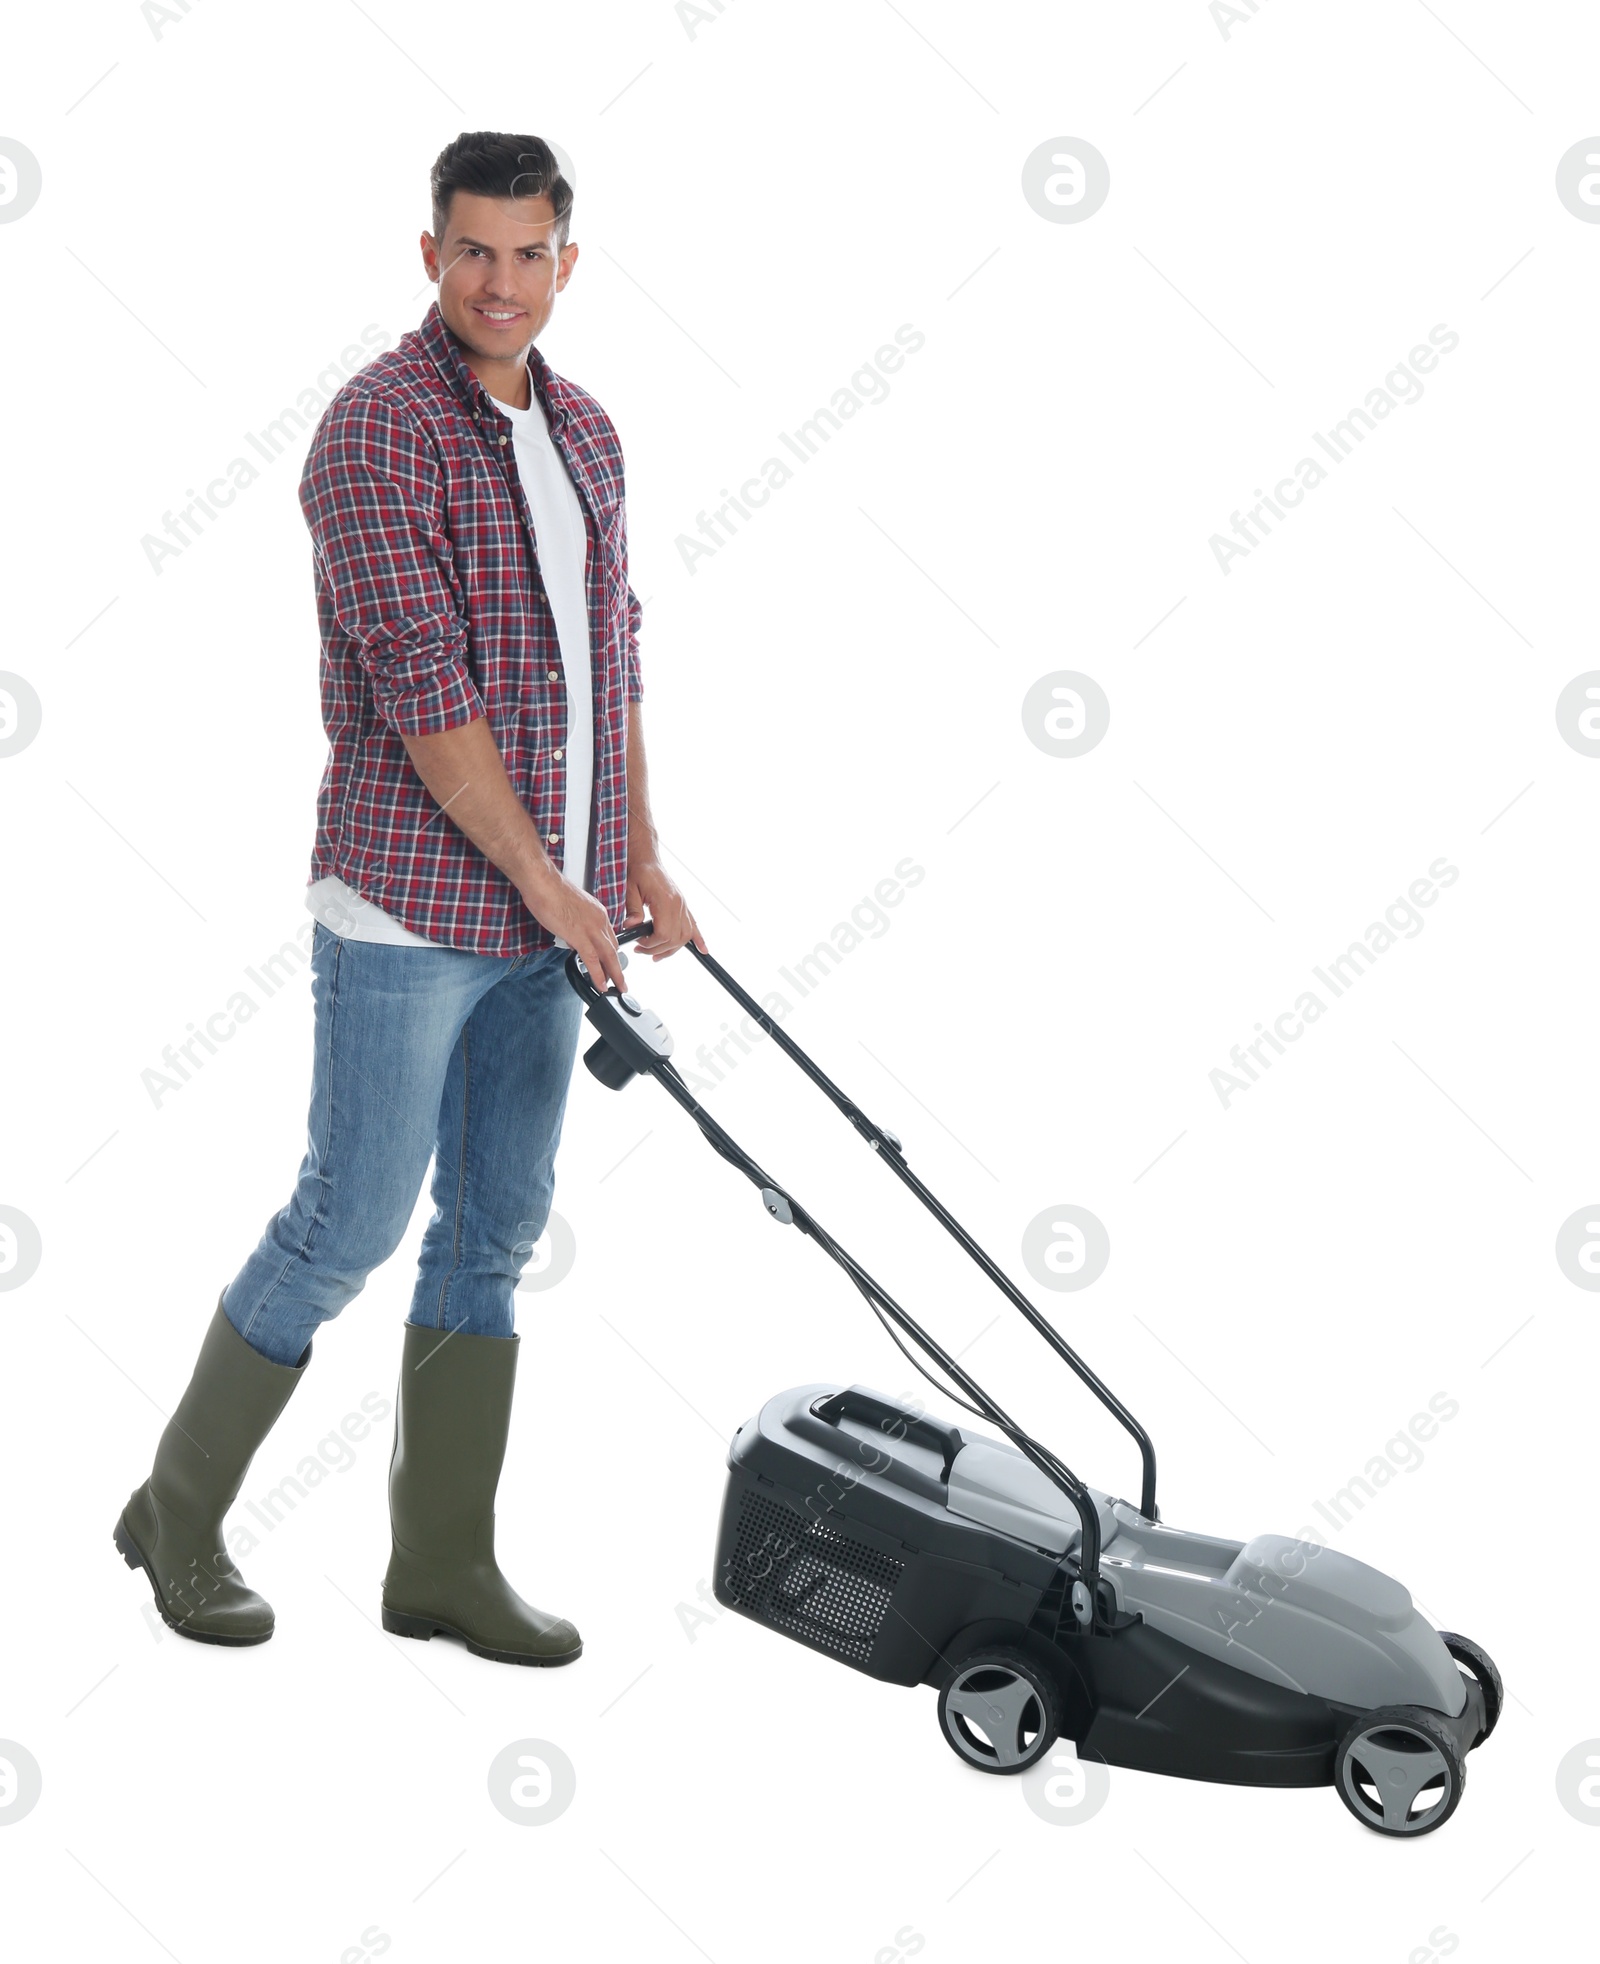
(562, 545)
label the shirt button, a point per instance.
(502, 439)
(558, 754)
(550, 675)
(554, 839)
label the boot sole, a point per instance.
(425, 1627)
(131, 1553)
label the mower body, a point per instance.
(900, 1545)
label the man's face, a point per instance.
(498, 271)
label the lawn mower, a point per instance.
(1039, 1607)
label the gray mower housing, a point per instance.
(1299, 1615)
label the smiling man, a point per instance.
(484, 810)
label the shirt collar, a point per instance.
(445, 351)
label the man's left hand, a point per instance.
(651, 890)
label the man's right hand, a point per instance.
(578, 919)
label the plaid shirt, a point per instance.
(432, 611)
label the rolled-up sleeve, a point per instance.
(372, 493)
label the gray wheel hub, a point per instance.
(993, 1715)
(1387, 1768)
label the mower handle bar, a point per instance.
(785, 1208)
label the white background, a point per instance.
(761, 202)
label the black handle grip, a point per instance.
(894, 1421)
(578, 975)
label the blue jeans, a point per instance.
(420, 1053)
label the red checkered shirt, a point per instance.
(432, 612)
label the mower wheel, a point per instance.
(1000, 1711)
(1477, 1662)
(1389, 1761)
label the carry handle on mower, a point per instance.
(921, 1430)
(632, 1040)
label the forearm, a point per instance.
(652, 891)
(644, 847)
(466, 776)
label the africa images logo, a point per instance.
(1402, 386)
(1401, 920)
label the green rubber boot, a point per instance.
(172, 1525)
(452, 1417)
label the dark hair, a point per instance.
(499, 166)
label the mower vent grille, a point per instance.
(809, 1580)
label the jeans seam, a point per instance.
(313, 1218)
(461, 1173)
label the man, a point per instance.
(484, 810)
